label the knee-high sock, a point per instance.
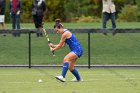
(76, 74)
(65, 69)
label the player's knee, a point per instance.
(66, 60)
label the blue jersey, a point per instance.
(74, 45)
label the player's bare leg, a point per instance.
(68, 58)
(74, 71)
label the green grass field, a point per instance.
(97, 80)
(81, 25)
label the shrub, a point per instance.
(86, 19)
(129, 13)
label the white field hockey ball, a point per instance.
(40, 81)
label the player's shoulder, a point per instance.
(67, 33)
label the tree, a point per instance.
(138, 3)
(7, 14)
(55, 10)
(77, 8)
(129, 13)
(68, 9)
(26, 10)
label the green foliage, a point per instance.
(86, 19)
(129, 13)
(129, 2)
(67, 10)
(26, 15)
(138, 3)
(7, 14)
(75, 9)
(54, 10)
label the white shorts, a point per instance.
(2, 18)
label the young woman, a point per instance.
(70, 59)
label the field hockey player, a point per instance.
(71, 58)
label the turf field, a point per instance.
(80, 25)
(96, 80)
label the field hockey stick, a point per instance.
(48, 39)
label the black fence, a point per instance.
(87, 31)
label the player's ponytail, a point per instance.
(58, 24)
(57, 21)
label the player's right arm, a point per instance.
(52, 45)
(61, 43)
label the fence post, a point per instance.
(29, 49)
(89, 49)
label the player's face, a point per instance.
(59, 31)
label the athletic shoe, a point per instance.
(75, 80)
(61, 78)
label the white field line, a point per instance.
(111, 80)
(17, 82)
(19, 74)
(88, 74)
(7, 74)
(91, 79)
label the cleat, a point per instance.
(75, 80)
(60, 78)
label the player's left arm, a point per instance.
(53, 46)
